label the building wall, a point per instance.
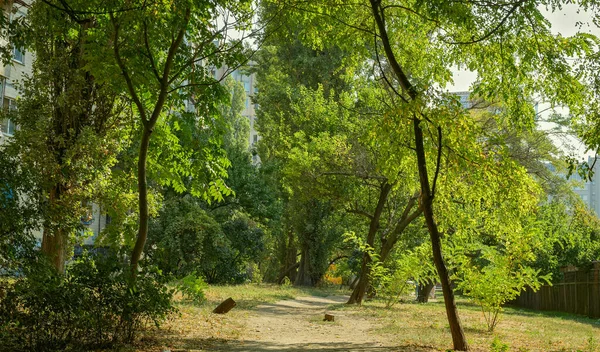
(12, 75)
(250, 88)
(589, 191)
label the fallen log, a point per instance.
(225, 306)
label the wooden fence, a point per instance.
(579, 293)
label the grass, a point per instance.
(250, 295)
(521, 330)
(405, 324)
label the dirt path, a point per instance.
(296, 325)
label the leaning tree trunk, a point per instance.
(458, 336)
(361, 287)
(365, 269)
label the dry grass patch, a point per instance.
(410, 326)
(425, 325)
(197, 328)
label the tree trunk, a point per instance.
(458, 335)
(143, 202)
(287, 273)
(388, 243)
(303, 277)
(54, 244)
(361, 287)
(290, 261)
(427, 193)
(424, 292)
(365, 269)
(148, 124)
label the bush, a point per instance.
(192, 287)
(94, 305)
(500, 281)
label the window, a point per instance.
(18, 55)
(247, 102)
(247, 87)
(7, 126)
(254, 138)
(10, 104)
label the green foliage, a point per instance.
(286, 282)
(493, 277)
(498, 346)
(70, 126)
(192, 287)
(571, 236)
(228, 253)
(176, 237)
(185, 238)
(410, 268)
(94, 305)
(20, 213)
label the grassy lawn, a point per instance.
(422, 326)
(425, 325)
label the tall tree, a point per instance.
(163, 55)
(69, 122)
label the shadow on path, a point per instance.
(264, 346)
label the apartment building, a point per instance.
(589, 191)
(12, 74)
(248, 80)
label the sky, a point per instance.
(563, 22)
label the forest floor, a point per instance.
(272, 318)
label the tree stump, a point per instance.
(329, 317)
(225, 306)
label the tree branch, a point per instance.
(360, 212)
(130, 87)
(150, 56)
(438, 162)
(494, 30)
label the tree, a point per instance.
(509, 46)
(70, 123)
(161, 55)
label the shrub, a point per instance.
(192, 287)
(500, 281)
(94, 305)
